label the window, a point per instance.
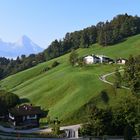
(32, 117)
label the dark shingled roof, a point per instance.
(96, 57)
(26, 110)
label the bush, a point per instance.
(55, 63)
(46, 69)
(137, 129)
(104, 96)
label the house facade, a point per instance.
(121, 61)
(96, 59)
(88, 59)
(25, 116)
(92, 59)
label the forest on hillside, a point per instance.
(105, 33)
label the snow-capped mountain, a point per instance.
(23, 46)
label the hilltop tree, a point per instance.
(73, 58)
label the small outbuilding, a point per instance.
(121, 61)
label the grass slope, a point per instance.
(64, 90)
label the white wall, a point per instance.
(89, 60)
(11, 117)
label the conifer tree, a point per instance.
(118, 79)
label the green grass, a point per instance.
(124, 49)
(65, 90)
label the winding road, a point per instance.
(103, 78)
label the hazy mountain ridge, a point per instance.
(23, 46)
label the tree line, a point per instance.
(122, 120)
(10, 66)
(104, 33)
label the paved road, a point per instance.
(103, 78)
(25, 138)
(36, 130)
(73, 128)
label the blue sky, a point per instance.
(46, 20)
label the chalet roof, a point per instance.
(26, 110)
(96, 57)
(107, 58)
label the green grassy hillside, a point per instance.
(64, 90)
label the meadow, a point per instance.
(65, 90)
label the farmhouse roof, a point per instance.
(96, 57)
(26, 110)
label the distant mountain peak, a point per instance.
(24, 40)
(24, 45)
(25, 37)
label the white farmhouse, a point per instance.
(104, 59)
(88, 59)
(91, 59)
